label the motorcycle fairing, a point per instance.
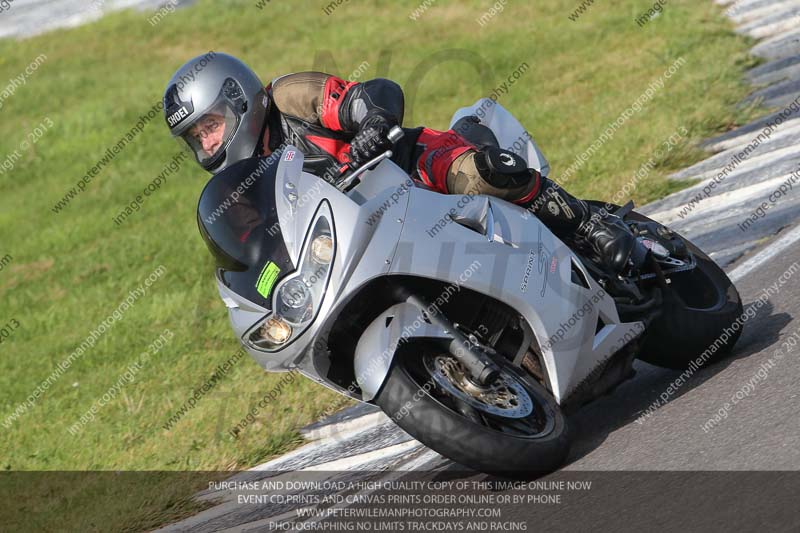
(522, 264)
(365, 246)
(516, 260)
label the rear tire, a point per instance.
(438, 419)
(707, 303)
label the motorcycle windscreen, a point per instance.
(238, 220)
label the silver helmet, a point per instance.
(218, 106)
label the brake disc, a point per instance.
(504, 397)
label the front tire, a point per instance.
(437, 416)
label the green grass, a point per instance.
(101, 501)
(70, 270)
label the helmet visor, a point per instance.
(209, 135)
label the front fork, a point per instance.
(466, 349)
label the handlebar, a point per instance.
(394, 135)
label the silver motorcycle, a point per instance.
(465, 319)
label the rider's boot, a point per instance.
(606, 234)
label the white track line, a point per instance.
(726, 202)
(766, 254)
(391, 475)
(350, 463)
(360, 422)
(350, 430)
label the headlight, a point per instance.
(296, 300)
(275, 331)
(322, 249)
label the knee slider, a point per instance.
(501, 168)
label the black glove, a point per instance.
(371, 139)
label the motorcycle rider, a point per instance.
(220, 108)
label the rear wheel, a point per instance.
(512, 428)
(699, 315)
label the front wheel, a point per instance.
(513, 427)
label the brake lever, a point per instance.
(347, 183)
